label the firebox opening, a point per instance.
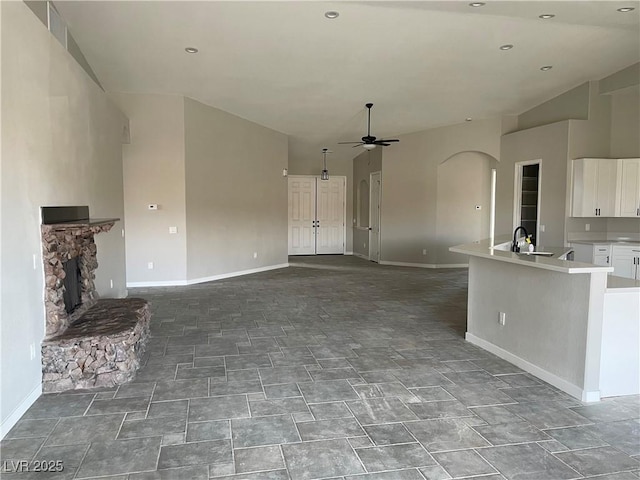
(72, 284)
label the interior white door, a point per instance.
(330, 215)
(302, 215)
(374, 216)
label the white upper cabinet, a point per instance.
(628, 196)
(594, 187)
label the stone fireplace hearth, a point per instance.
(89, 342)
(61, 243)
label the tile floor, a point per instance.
(335, 368)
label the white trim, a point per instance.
(562, 384)
(425, 265)
(20, 410)
(348, 253)
(377, 173)
(193, 281)
(359, 255)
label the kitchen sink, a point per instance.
(541, 254)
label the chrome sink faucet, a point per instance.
(514, 245)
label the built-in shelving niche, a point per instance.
(527, 197)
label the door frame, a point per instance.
(517, 195)
(344, 210)
(371, 175)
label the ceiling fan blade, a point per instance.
(361, 143)
(389, 140)
(383, 144)
(347, 143)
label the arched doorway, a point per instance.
(463, 201)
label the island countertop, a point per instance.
(483, 249)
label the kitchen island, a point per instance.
(560, 320)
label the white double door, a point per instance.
(316, 215)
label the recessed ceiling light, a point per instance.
(546, 16)
(468, 119)
(477, 4)
(626, 9)
(332, 14)
(546, 68)
(506, 47)
(191, 50)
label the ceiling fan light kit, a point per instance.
(370, 142)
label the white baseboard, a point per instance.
(12, 419)
(162, 283)
(425, 265)
(193, 281)
(541, 373)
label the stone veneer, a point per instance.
(101, 349)
(62, 242)
(101, 343)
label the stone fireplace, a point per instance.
(89, 342)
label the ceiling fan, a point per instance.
(369, 142)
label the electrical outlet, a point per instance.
(502, 318)
(587, 227)
(173, 230)
(150, 265)
(255, 254)
(424, 251)
(32, 350)
(542, 228)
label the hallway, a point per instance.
(333, 368)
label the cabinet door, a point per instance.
(582, 253)
(622, 261)
(585, 188)
(629, 185)
(606, 187)
(601, 260)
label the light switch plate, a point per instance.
(173, 229)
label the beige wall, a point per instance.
(464, 182)
(549, 144)
(61, 145)
(410, 190)
(236, 196)
(572, 104)
(154, 173)
(625, 124)
(313, 166)
(547, 315)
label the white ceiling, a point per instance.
(423, 63)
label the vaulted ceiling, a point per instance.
(422, 63)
